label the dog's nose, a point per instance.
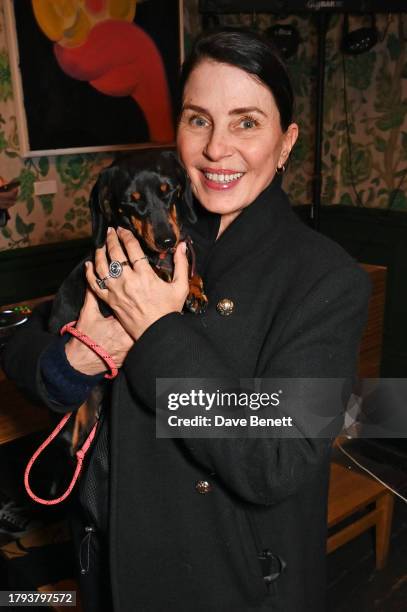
(167, 243)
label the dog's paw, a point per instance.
(196, 303)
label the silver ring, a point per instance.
(116, 268)
(101, 282)
(133, 263)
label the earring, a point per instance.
(280, 169)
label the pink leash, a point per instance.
(80, 454)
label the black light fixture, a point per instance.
(285, 37)
(360, 40)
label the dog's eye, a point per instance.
(136, 195)
(164, 187)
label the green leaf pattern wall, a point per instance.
(374, 139)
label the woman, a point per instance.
(213, 524)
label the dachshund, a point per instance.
(147, 192)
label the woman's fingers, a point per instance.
(114, 248)
(111, 251)
(181, 266)
(114, 251)
(101, 262)
(134, 251)
(92, 281)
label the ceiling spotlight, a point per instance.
(360, 40)
(285, 37)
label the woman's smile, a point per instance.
(221, 179)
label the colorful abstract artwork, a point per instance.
(96, 74)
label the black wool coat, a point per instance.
(300, 305)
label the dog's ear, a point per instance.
(189, 201)
(100, 206)
(186, 194)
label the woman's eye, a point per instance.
(197, 121)
(248, 124)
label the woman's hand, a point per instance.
(105, 331)
(138, 297)
(7, 198)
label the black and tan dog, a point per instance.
(148, 193)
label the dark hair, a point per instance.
(253, 53)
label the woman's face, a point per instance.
(229, 137)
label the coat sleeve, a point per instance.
(21, 359)
(320, 340)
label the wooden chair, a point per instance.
(352, 491)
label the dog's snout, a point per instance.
(166, 243)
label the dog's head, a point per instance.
(147, 192)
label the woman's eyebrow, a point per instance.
(247, 109)
(234, 111)
(194, 107)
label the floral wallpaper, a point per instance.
(365, 128)
(365, 133)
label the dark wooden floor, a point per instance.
(354, 585)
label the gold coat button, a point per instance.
(203, 487)
(225, 307)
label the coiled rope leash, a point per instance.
(80, 454)
(69, 327)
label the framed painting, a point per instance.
(94, 75)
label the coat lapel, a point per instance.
(257, 226)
